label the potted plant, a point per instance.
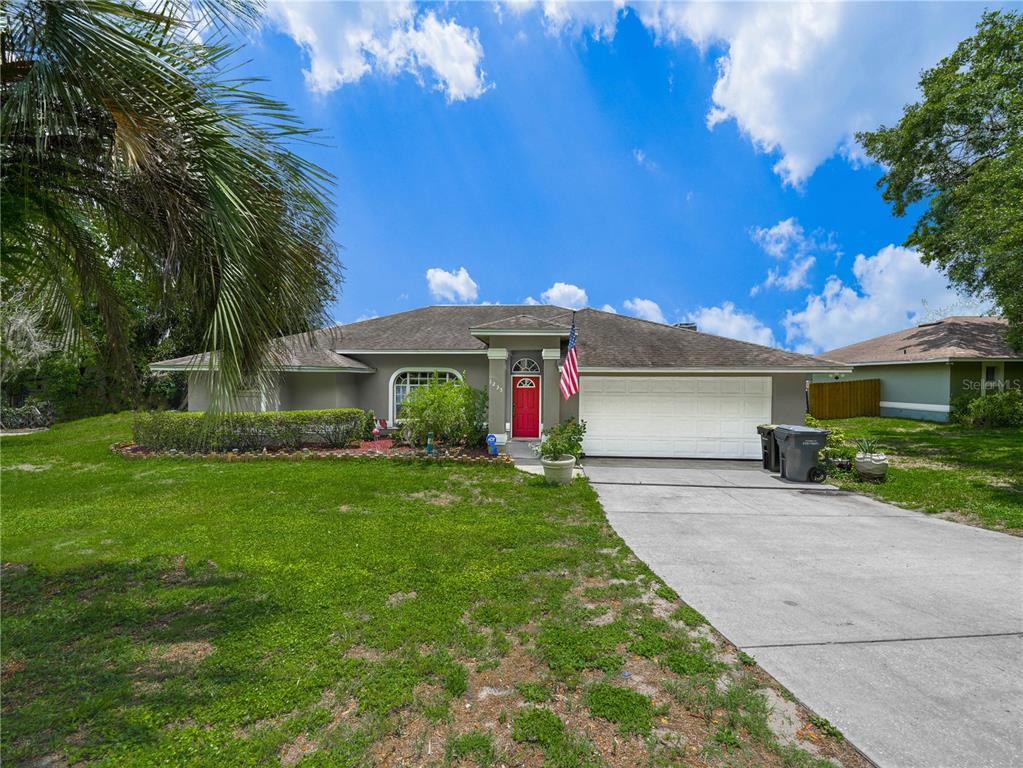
(871, 463)
(562, 445)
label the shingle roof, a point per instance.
(439, 327)
(951, 338)
(605, 340)
(293, 352)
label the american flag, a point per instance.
(570, 369)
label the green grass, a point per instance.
(940, 468)
(476, 745)
(562, 749)
(632, 712)
(534, 692)
(227, 613)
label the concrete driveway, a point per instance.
(905, 631)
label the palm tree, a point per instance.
(127, 148)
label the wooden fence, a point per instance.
(845, 399)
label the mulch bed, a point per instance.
(384, 448)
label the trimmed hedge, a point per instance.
(194, 432)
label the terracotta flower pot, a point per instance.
(558, 471)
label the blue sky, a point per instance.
(677, 162)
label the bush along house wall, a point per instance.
(191, 432)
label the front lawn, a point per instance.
(350, 612)
(971, 474)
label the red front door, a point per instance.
(526, 406)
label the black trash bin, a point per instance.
(769, 447)
(798, 447)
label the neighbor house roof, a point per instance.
(966, 338)
(606, 341)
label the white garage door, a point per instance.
(711, 417)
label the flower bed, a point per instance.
(383, 448)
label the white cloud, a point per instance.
(726, 320)
(780, 240)
(643, 160)
(609, 308)
(565, 295)
(893, 290)
(645, 309)
(452, 286)
(530, 301)
(347, 41)
(597, 19)
(787, 240)
(798, 79)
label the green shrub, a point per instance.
(369, 422)
(997, 409)
(452, 410)
(192, 431)
(28, 416)
(564, 439)
(837, 445)
(336, 427)
(958, 413)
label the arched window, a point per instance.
(406, 379)
(526, 365)
(526, 384)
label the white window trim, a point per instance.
(529, 361)
(999, 381)
(392, 417)
(539, 391)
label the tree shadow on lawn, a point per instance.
(112, 653)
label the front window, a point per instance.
(406, 381)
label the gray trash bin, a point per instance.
(769, 447)
(798, 447)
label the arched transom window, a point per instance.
(526, 365)
(404, 381)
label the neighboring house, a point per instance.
(646, 389)
(924, 369)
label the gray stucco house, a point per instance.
(925, 368)
(646, 389)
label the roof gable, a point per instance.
(523, 322)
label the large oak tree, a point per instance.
(959, 151)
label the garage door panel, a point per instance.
(757, 386)
(672, 416)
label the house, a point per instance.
(924, 369)
(646, 389)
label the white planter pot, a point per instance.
(558, 471)
(873, 466)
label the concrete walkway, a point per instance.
(523, 458)
(904, 630)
